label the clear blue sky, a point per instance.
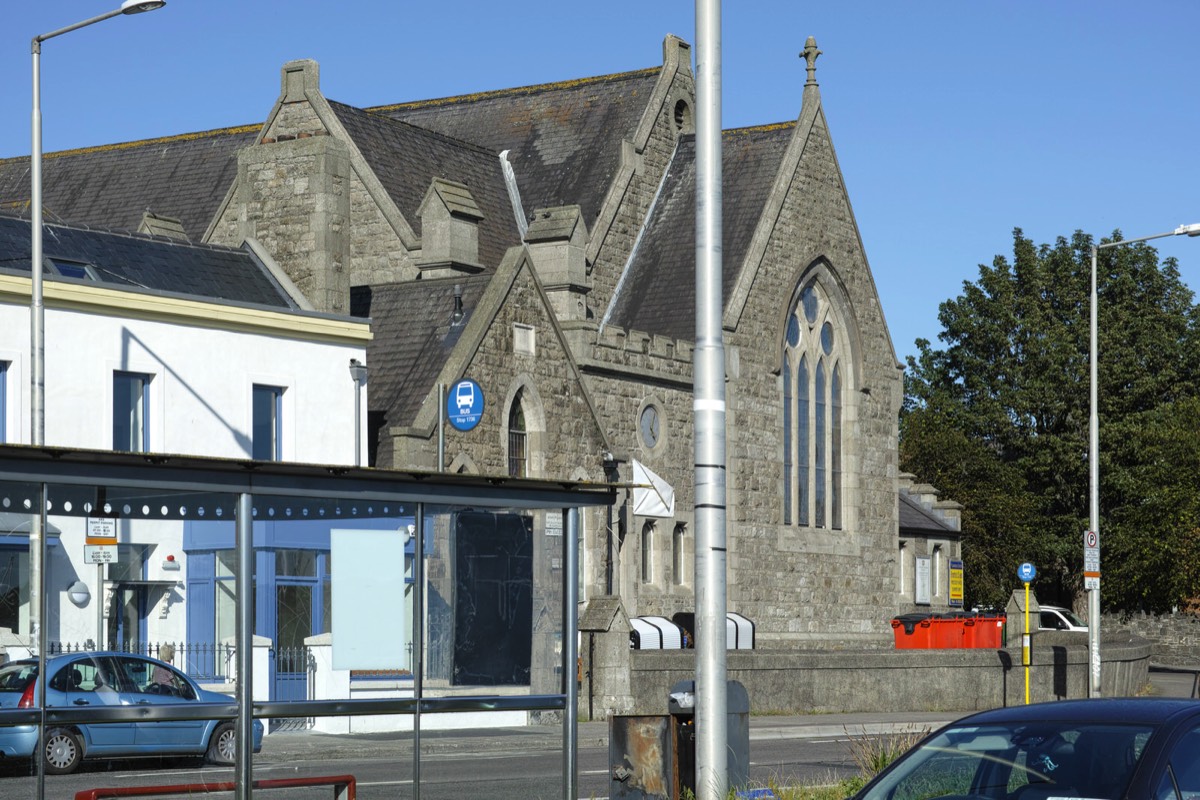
(954, 121)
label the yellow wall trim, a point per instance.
(199, 313)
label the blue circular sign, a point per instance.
(1026, 572)
(464, 404)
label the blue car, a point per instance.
(111, 679)
(1106, 749)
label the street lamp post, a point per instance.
(1094, 455)
(37, 324)
(37, 354)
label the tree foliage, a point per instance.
(997, 418)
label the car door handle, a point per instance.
(143, 702)
(82, 702)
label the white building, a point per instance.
(157, 345)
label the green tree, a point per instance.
(1012, 381)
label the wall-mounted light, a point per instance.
(79, 594)
(170, 564)
(358, 374)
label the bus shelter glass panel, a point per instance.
(493, 589)
(118, 623)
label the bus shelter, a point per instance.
(312, 597)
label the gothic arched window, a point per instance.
(518, 440)
(813, 389)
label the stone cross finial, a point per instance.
(809, 54)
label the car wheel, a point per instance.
(222, 748)
(63, 751)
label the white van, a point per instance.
(1056, 618)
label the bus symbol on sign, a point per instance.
(464, 404)
(1026, 572)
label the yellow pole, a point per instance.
(1025, 655)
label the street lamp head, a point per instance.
(138, 6)
(358, 371)
(1190, 230)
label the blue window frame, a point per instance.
(131, 399)
(292, 573)
(267, 424)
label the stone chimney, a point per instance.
(449, 231)
(293, 193)
(557, 240)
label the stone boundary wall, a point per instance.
(1175, 638)
(902, 680)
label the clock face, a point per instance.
(651, 426)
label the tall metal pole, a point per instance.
(1093, 490)
(37, 326)
(712, 771)
(1094, 452)
(37, 356)
(37, 384)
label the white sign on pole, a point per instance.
(1091, 560)
(101, 530)
(99, 553)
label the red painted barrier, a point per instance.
(344, 788)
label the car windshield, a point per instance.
(17, 675)
(1021, 761)
(1072, 618)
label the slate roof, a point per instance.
(136, 262)
(564, 142)
(406, 159)
(658, 294)
(916, 519)
(185, 177)
(413, 337)
(564, 139)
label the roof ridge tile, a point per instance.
(178, 137)
(513, 91)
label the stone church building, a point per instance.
(540, 241)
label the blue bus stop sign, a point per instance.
(1026, 572)
(464, 404)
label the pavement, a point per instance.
(312, 745)
(308, 744)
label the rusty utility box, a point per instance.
(642, 757)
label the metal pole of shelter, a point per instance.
(712, 770)
(418, 636)
(244, 633)
(570, 653)
(1094, 452)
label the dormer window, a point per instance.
(80, 270)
